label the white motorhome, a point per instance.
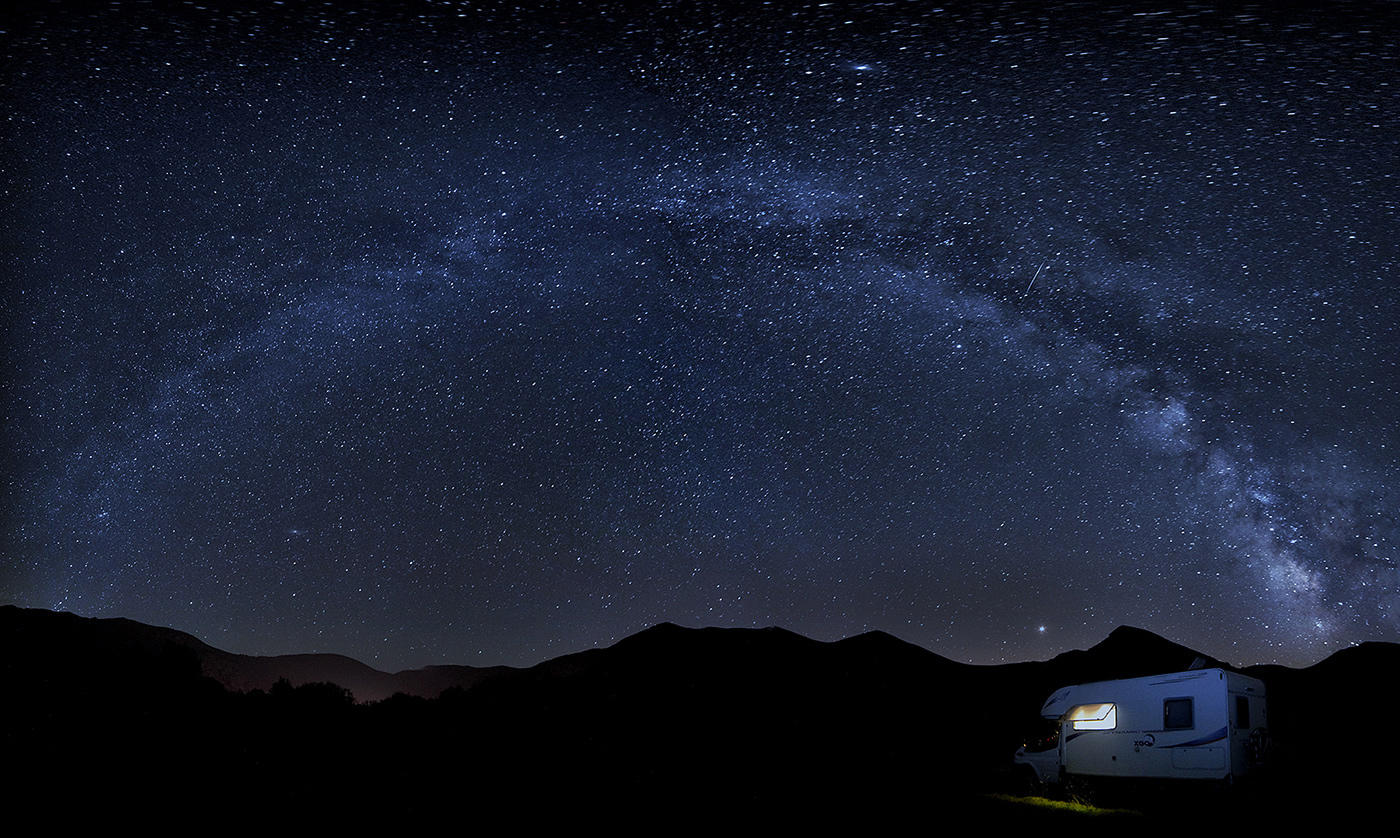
(1207, 724)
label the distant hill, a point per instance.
(50, 639)
(57, 636)
(664, 652)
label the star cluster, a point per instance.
(447, 332)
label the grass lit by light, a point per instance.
(1067, 807)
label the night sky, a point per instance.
(455, 333)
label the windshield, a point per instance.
(1043, 736)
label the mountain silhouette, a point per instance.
(1129, 652)
(760, 719)
(60, 636)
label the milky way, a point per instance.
(454, 334)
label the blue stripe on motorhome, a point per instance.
(1204, 740)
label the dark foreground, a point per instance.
(670, 729)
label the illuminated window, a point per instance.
(1093, 716)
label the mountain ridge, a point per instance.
(1127, 651)
(239, 672)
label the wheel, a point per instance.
(1027, 781)
(1077, 789)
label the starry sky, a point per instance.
(459, 332)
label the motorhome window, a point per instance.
(1093, 716)
(1177, 714)
(1241, 712)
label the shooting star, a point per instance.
(1034, 278)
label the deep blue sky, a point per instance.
(446, 334)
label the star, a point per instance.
(394, 335)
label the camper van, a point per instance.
(1204, 724)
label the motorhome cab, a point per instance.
(1207, 724)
